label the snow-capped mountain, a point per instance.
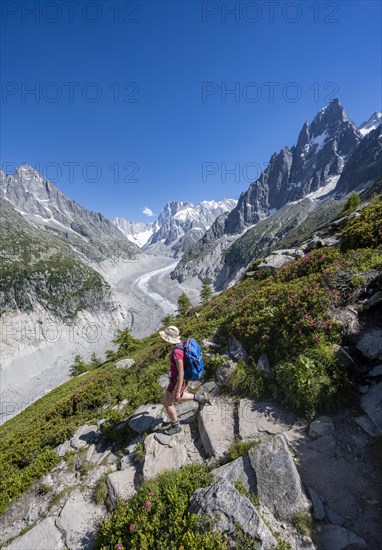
(374, 121)
(45, 206)
(178, 226)
(181, 224)
(312, 168)
(138, 233)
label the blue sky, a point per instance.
(132, 108)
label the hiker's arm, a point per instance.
(179, 384)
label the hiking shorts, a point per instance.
(172, 385)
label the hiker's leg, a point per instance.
(187, 396)
(170, 407)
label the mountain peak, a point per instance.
(374, 121)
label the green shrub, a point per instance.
(157, 516)
(365, 231)
(247, 380)
(311, 382)
(303, 522)
(239, 448)
(250, 496)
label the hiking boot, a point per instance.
(172, 430)
(203, 399)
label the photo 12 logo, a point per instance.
(270, 12)
(269, 92)
(72, 171)
(232, 172)
(29, 11)
(69, 92)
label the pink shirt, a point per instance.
(176, 354)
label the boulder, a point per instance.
(125, 364)
(236, 350)
(223, 503)
(208, 344)
(370, 345)
(324, 444)
(159, 457)
(323, 425)
(120, 484)
(278, 258)
(256, 417)
(367, 425)
(238, 470)
(164, 380)
(225, 371)
(263, 364)
(145, 417)
(209, 388)
(41, 537)
(371, 403)
(375, 372)
(79, 520)
(84, 435)
(333, 517)
(374, 300)
(62, 449)
(279, 486)
(318, 505)
(332, 537)
(216, 427)
(186, 411)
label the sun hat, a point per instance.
(171, 335)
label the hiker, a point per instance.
(175, 391)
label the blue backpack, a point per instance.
(193, 360)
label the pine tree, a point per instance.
(184, 304)
(79, 366)
(354, 200)
(94, 360)
(206, 292)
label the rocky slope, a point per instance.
(330, 157)
(43, 205)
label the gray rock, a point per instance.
(78, 521)
(278, 482)
(236, 349)
(210, 388)
(163, 439)
(323, 425)
(324, 444)
(263, 364)
(146, 417)
(256, 417)
(84, 435)
(216, 427)
(332, 537)
(375, 372)
(90, 453)
(318, 505)
(164, 380)
(224, 371)
(333, 517)
(186, 411)
(343, 357)
(223, 502)
(63, 448)
(280, 257)
(159, 457)
(129, 457)
(41, 537)
(367, 425)
(121, 484)
(208, 344)
(370, 345)
(371, 403)
(238, 470)
(363, 389)
(374, 300)
(125, 364)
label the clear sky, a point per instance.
(131, 104)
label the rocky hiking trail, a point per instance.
(293, 468)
